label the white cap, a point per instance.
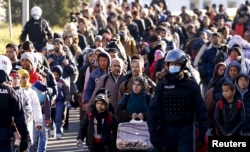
(5, 64)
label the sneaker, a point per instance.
(51, 133)
(58, 136)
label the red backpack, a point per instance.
(221, 105)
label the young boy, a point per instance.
(229, 112)
(63, 96)
(243, 93)
(98, 126)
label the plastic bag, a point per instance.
(133, 136)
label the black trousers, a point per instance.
(177, 138)
(5, 142)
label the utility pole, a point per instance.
(25, 10)
(10, 20)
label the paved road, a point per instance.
(68, 142)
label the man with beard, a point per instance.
(64, 58)
(28, 63)
(212, 55)
(60, 57)
(137, 69)
(11, 53)
(109, 82)
(103, 60)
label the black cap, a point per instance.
(58, 40)
(112, 50)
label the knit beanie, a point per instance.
(29, 56)
(102, 97)
(103, 91)
(58, 40)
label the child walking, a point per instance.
(229, 112)
(243, 93)
(62, 98)
(99, 127)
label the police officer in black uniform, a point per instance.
(37, 28)
(10, 106)
(175, 107)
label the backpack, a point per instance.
(221, 105)
(105, 80)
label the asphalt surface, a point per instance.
(68, 142)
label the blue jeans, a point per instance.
(58, 116)
(40, 139)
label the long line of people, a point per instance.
(110, 64)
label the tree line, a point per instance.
(56, 12)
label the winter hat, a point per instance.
(29, 56)
(142, 81)
(103, 91)
(58, 69)
(98, 38)
(58, 40)
(102, 97)
(112, 50)
(40, 86)
(38, 58)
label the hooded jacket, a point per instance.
(232, 64)
(95, 75)
(216, 78)
(217, 94)
(244, 95)
(62, 86)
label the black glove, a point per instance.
(23, 145)
(200, 141)
(155, 140)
